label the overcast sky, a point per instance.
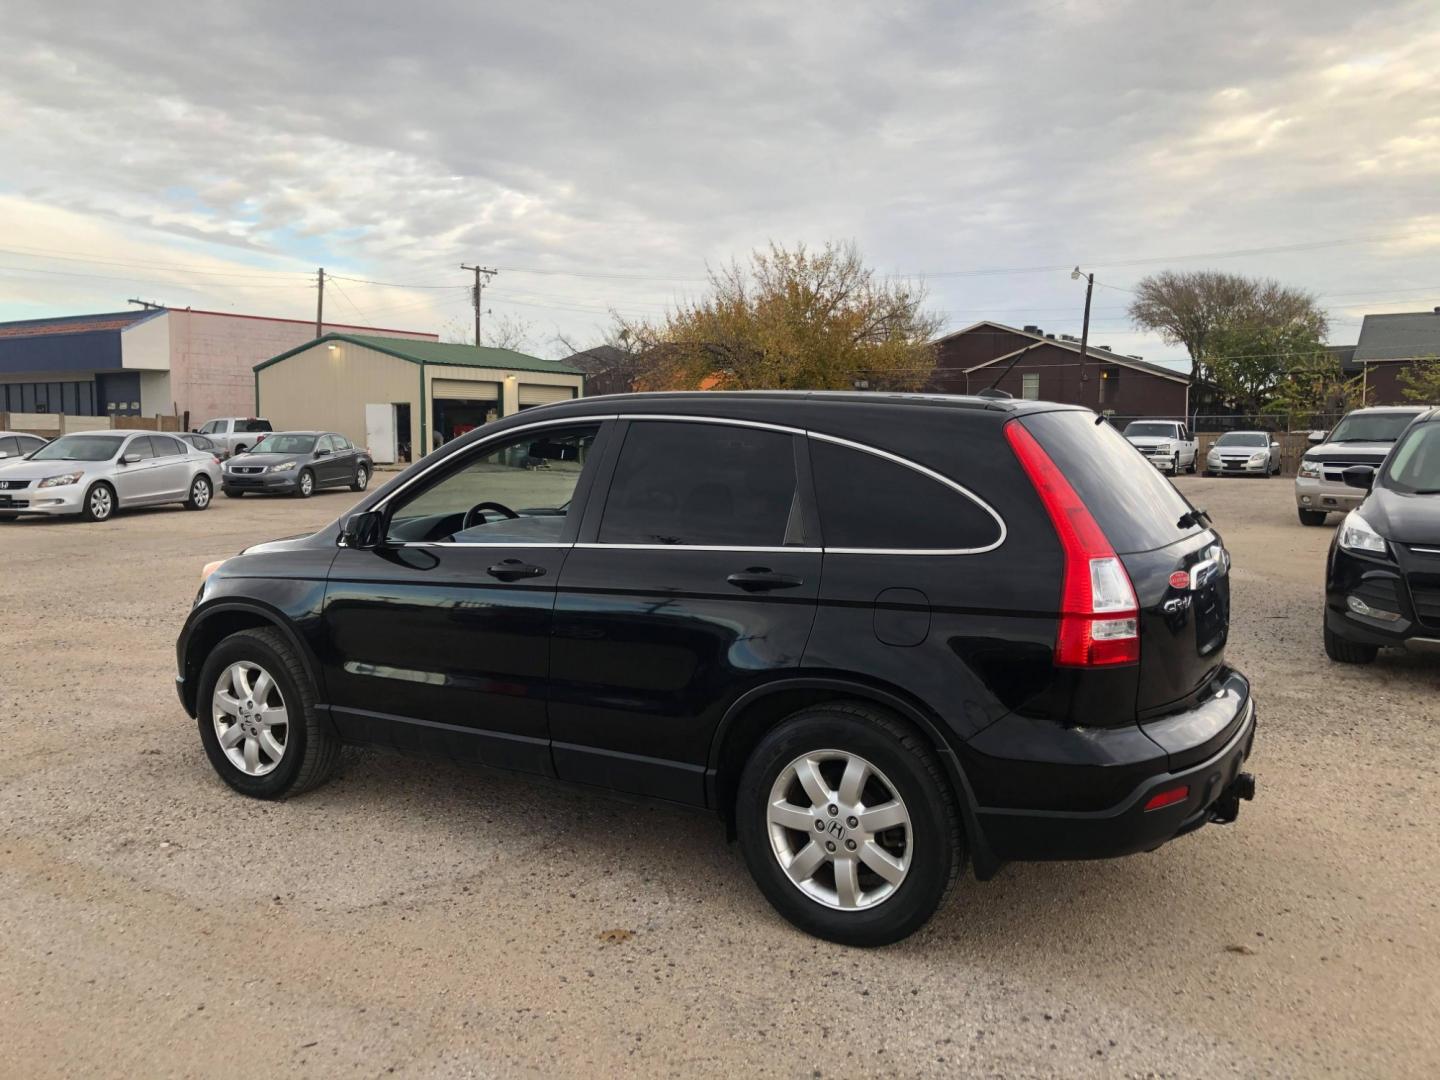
(211, 153)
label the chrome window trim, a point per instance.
(763, 425)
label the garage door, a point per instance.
(464, 390)
(533, 394)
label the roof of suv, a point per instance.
(765, 402)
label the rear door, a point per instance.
(1179, 568)
(694, 582)
(173, 466)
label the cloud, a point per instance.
(392, 142)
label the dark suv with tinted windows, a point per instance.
(879, 635)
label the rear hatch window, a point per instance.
(1138, 509)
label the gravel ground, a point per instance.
(421, 919)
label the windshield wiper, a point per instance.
(1197, 516)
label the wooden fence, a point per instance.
(51, 425)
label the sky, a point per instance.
(602, 156)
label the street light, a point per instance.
(1076, 275)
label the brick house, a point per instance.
(1029, 363)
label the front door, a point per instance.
(696, 581)
(137, 482)
(328, 466)
(438, 640)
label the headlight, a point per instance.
(284, 466)
(1309, 469)
(1357, 535)
(60, 481)
(1162, 448)
(1258, 459)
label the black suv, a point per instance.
(876, 634)
(1382, 584)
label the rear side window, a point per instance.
(869, 503)
(164, 446)
(703, 484)
(255, 425)
(1136, 506)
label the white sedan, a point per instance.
(96, 473)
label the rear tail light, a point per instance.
(1099, 616)
(1168, 797)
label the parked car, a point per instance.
(298, 463)
(234, 434)
(16, 444)
(96, 473)
(1168, 444)
(1382, 584)
(1243, 453)
(1363, 437)
(204, 443)
(879, 636)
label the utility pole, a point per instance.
(146, 304)
(1076, 275)
(476, 293)
(320, 306)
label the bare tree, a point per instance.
(1191, 307)
(506, 332)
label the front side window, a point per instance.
(1414, 467)
(341, 443)
(518, 492)
(874, 503)
(9, 446)
(165, 446)
(213, 427)
(701, 484)
(80, 448)
(1030, 385)
(140, 447)
(327, 443)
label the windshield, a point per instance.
(1166, 431)
(80, 448)
(1372, 427)
(1414, 466)
(285, 444)
(1243, 438)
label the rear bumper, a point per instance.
(1214, 790)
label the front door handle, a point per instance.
(763, 579)
(514, 570)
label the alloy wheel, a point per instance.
(200, 493)
(839, 830)
(306, 484)
(250, 718)
(362, 477)
(101, 503)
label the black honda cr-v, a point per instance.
(878, 634)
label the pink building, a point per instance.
(194, 364)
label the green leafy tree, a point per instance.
(1190, 307)
(1249, 363)
(1315, 387)
(792, 319)
(1421, 380)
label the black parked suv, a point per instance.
(1382, 585)
(879, 635)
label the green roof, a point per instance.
(438, 352)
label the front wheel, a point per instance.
(1312, 517)
(255, 707)
(99, 503)
(1348, 652)
(362, 479)
(305, 484)
(848, 824)
(200, 492)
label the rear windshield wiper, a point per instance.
(1198, 516)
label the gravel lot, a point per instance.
(421, 919)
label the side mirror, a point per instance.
(323, 453)
(1359, 476)
(130, 459)
(362, 530)
(1316, 437)
(1274, 446)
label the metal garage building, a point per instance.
(394, 395)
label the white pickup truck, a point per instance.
(1169, 444)
(235, 434)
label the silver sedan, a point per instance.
(96, 473)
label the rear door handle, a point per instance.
(514, 570)
(763, 579)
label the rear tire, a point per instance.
(310, 752)
(844, 898)
(1348, 652)
(1312, 517)
(201, 492)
